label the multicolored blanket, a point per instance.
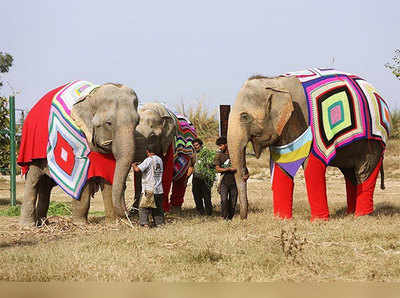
(50, 132)
(183, 150)
(342, 108)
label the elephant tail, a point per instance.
(382, 176)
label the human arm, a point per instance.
(135, 167)
(219, 167)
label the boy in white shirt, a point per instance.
(152, 170)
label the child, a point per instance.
(228, 190)
(152, 170)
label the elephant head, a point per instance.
(156, 126)
(108, 117)
(261, 115)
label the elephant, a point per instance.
(78, 136)
(173, 135)
(314, 119)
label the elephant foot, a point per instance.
(79, 220)
(27, 222)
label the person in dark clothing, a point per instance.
(203, 177)
(228, 189)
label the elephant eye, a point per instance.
(108, 123)
(244, 117)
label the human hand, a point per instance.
(246, 177)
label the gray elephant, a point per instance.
(80, 137)
(173, 135)
(314, 118)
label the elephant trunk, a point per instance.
(237, 142)
(124, 152)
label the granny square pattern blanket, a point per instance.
(50, 133)
(67, 148)
(342, 108)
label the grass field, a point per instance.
(194, 248)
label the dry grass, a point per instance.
(194, 248)
(206, 122)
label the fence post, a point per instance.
(12, 152)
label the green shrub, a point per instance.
(11, 211)
(55, 208)
(59, 208)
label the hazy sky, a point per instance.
(183, 51)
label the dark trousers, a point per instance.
(157, 213)
(229, 196)
(202, 196)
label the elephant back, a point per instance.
(342, 108)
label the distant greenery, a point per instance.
(395, 65)
(395, 133)
(6, 61)
(206, 123)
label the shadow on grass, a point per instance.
(385, 209)
(20, 243)
(381, 209)
(6, 201)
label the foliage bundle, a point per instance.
(204, 167)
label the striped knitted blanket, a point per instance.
(183, 148)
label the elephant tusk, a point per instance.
(106, 143)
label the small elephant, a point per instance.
(314, 118)
(173, 134)
(78, 136)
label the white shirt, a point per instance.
(152, 170)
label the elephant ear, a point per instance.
(280, 105)
(169, 131)
(83, 112)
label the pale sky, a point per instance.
(184, 51)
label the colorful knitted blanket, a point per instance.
(55, 136)
(342, 108)
(183, 150)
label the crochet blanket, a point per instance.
(50, 132)
(342, 108)
(183, 149)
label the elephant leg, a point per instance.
(316, 188)
(80, 208)
(282, 191)
(28, 210)
(106, 192)
(46, 184)
(365, 193)
(178, 191)
(351, 189)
